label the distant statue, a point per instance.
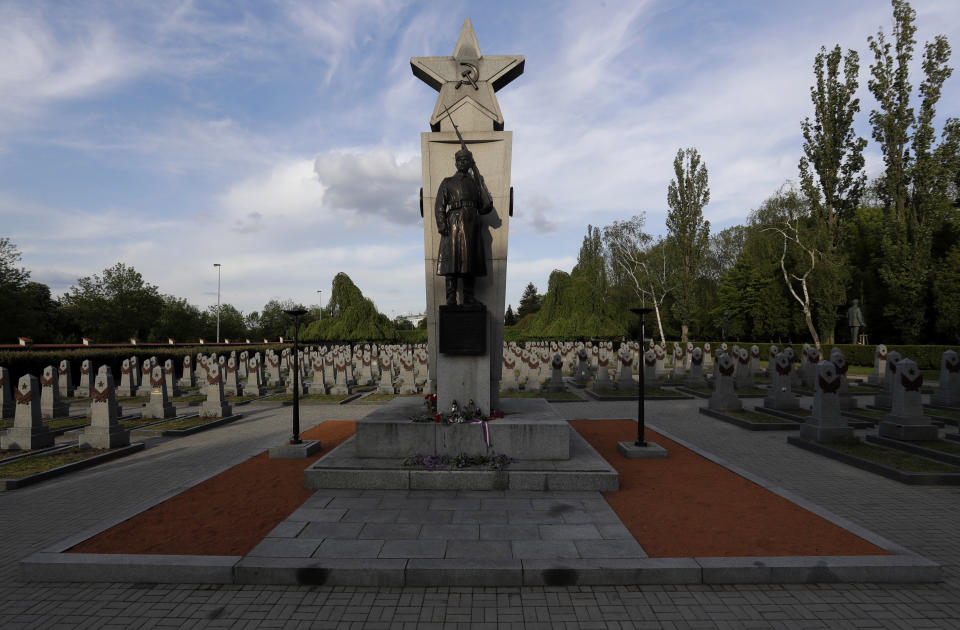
(724, 325)
(461, 198)
(855, 321)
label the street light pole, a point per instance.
(296, 314)
(217, 265)
(640, 400)
(320, 291)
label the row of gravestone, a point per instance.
(900, 392)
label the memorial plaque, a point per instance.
(463, 329)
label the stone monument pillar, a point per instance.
(28, 430)
(467, 82)
(104, 430)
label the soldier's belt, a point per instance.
(463, 204)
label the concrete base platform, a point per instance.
(912, 432)
(630, 450)
(530, 429)
(306, 448)
(584, 470)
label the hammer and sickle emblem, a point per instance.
(471, 75)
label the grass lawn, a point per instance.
(189, 398)
(944, 446)
(941, 413)
(554, 395)
(133, 400)
(877, 414)
(137, 422)
(755, 416)
(747, 391)
(182, 423)
(894, 458)
(39, 463)
(387, 397)
(331, 398)
(60, 423)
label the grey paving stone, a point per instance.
(525, 531)
(317, 514)
(569, 532)
(302, 547)
(480, 516)
(384, 531)
(287, 529)
(482, 549)
(455, 503)
(370, 515)
(450, 531)
(331, 530)
(342, 548)
(425, 516)
(544, 549)
(614, 531)
(413, 549)
(609, 549)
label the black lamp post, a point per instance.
(640, 420)
(296, 314)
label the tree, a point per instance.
(529, 301)
(831, 169)
(115, 306)
(640, 263)
(911, 188)
(178, 319)
(13, 280)
(274, 322)
(688, 233)
(509, 318)
(946, 292)
(787, 215)
(349, 316)
(232, 322)
(725, 248)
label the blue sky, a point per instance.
(281, 139)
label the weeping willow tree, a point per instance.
(577, 304)
(349, 316)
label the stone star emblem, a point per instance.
(467, 74)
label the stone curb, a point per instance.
(13, 484)
(907, 447)
(925, 479)
(751, 426)
(63, 567)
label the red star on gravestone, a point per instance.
(467, 77)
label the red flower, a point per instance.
(436, 418)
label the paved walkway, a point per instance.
(923, 519)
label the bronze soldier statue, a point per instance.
(855, 320)
(461, 199)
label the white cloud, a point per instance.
(374, 182)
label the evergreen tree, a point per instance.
(688, 233)
(509, 318)
(529, 301)
(352, 317)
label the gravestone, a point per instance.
(781, 391)
(253, 385)
(407, 384)
(625, 381)
(273, 370)
(7, 404)
(744, 374)
(127, 387)
(772, 353)
(885, 398)
(144, 388)
(724, 398)
(104, 414)
(556, 374)
(948, 393)
(134, 374)
(340, 386)
(474, 109)
(170, 375)
(215, 406)
(242, 363)
(660, 358)
(695, 377)
(65, 379)
(50, 405)
(809, 361)
(86, 380)
(28, 431)
(755, 369)
(582, 377)
(187, 378)
(231, 383)
(794, 374)
(906, 420)
(317, 386)
(159, 405)
(686, 357)
(602, 380)
(533, 383)
(879, 375)
(386, 375)
(707, 358)
(825, 423)
(650, 374)
(847, 401)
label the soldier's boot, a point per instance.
(468, 293)
(451, 282)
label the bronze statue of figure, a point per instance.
(855, 321)
(461, 199)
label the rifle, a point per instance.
(484, 193)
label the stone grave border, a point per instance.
(857, 422)
(146, 431)
(909, 478)
(13, 484)
(790, 425)
(902, 566)
(914, 449)
(677, 396)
